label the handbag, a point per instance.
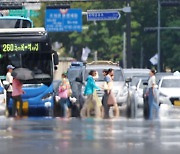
(63, 93)
(111, 99)
(105, 86)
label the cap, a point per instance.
(10, 67)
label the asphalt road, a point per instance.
(89, 136)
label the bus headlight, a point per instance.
(47, 104)
(47, 96)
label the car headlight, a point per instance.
(115, 92)
(140, 93)
(124, 92)
(83, 88)
(47, 96)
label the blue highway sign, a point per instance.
(102, 15)
(63, 20)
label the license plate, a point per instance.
(24, 107)
(177, 103)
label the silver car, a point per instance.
(120, 89)
(137, 98)
(130, 72)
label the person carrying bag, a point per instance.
(92, 98)
(110, 98)
(64, 94)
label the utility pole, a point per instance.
(158, 36)
(124, 51)
(128, 38)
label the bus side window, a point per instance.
(26, 24)
(17, 25)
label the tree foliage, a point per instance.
(106, 37)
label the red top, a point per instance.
(17, 88)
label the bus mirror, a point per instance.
(56, 58)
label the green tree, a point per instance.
(106, 37)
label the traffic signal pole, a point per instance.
(128, 37)
(158, 37)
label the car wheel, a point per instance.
(133, 107)
(128, 110)
(146, 108)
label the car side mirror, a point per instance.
(145, 83)
(78, 79)
(128, 80)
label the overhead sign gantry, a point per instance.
(43, 1)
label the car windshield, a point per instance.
(171, 83)
(135, 79)
(160, 75)
(142, 84)
(131, 74)
(118, 76)
(73, 74)
(14, 23)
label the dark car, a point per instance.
(75, 75)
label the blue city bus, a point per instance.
(15, 22)
(30, 48)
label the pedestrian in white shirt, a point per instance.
(9, 78)
(151, 95)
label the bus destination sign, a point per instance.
(18, 47)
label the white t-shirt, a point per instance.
(151, 81)
(9, 78)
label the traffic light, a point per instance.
(150, 29)
(170, 3)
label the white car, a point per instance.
(169, 91)
(2, 99)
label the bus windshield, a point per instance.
(15, 23)
(39, 63)
(34, 55)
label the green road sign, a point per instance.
(24, 13)
(34, 13)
